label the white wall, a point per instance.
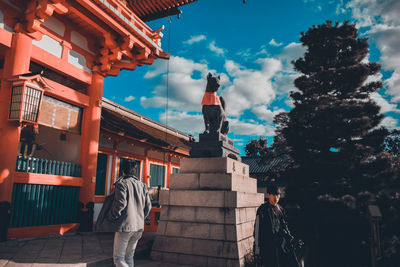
(50, 45)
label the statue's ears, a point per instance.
(209, 75)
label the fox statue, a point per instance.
(213, 108)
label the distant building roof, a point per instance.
(122, 121)
(256, 168)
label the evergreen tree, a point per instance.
(392, 143)
(332, 131)
(333, 136)
(256, 148)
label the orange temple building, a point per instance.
(54, 56)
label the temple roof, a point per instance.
(257, 167)
(154, 9)
(119, 120)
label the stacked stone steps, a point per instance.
(207, 216)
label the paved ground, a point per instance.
(79, 249)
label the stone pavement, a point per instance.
(78, 249)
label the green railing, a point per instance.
(45, 166)
(35, 204)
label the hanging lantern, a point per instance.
(26, 97)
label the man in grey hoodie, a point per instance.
(130, 207)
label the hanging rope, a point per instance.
(167, 89)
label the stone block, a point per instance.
(170, 257)
(202, 251)
(190, 230)
(201, 230)
(241, 215)
(196, 198)
(215, 215)
(184, 181)
(231, 182)
(164, 212)
(208, 198)
(164, 197)
(245, 246)
(244, 214)
(244, 199)
(173, 244)
(178, 213)
(219, 165)
(222, 232)
(246, 230)
(251, 213)
(230, 250)
(156, 255)
(211, 248)
(192, 260)
(207, 216)
(162, 225)
(216, 262)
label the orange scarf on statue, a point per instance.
(210, 98)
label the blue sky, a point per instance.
(251, 46)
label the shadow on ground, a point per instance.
(78, 249)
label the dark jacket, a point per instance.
(126, 208)
(272, 237)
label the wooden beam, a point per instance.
(47, 179)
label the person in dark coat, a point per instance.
(272, 238)
(130, 207)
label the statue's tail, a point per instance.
(222, 102)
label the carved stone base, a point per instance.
(214, 145)
(207, 215)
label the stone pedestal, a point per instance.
(207, 216)
(214, 145)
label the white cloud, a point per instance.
(184, 91)
(370, 12)
(265, 114)
(246, 54)
(389, 122)
(340, 8)
(384, 104)
(381, 21)
(262, 52)
(219, 51)
(283, 82)
(254, 129)
(189, 123)
(274, 43)
(244, 89)
(176, 65)
(388, 42)
(260, 87)
(129, 98)
(195, 39)
(291, 52)
(249, 87)
(394, 86)
(289, 102)
(194, 124)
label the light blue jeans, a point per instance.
(124, 248)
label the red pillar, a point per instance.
(169, 171)
(90, 139)
(146, 169)
(16, 62)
